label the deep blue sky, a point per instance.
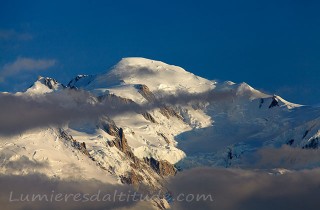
(272, 45)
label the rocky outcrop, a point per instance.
(305, 133)
(80, 81)
(109, 126)
(164, 137)
(110, 143)
(145, 92)
(114, 100)
(261, 102)
(74, 143)
(121, 143)
(141, 170)
(149, 117)
(312, 144)
(168, 111)
(131, 178)
(274, 102)
(50, 83)
(162, 167)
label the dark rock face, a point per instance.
(149, 117)
(114, 100)
(110, 127)
(74, 143)
(168, 111)
(231, 155)
(110, 143)
(162, 167)
(83, 144)
(290, 142)
(164, 137)
(312, 144)
(274, 102)
(305, 134)
(85, 79)
(131, 178)
(145, 92)
(49, 82)
(261, 102)
(121, 144)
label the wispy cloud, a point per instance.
(25, 65)
(14, 35)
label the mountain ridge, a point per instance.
(146, 146)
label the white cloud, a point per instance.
(25, 65)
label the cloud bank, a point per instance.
(284, 157)
(247, 190)
(99, 195)
(19, 113)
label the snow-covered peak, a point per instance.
(158, 76)
(135, 63)
(243, 89)
(44, 85)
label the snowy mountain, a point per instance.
(146, 141)
(44, 85)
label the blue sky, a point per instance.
(272, 45)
